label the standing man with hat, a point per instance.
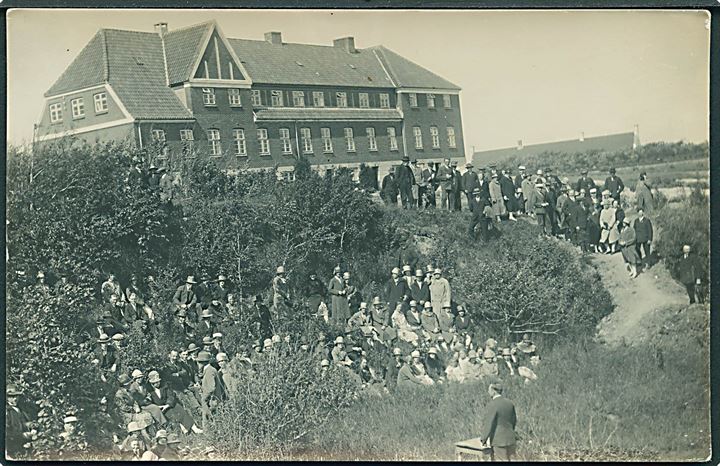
(416, 168)
(444, 177)
(18, 434)
(528, 188)
(455, 187)
(614, 184)
(405, 181)
(211, 392)
(469, 182)
(690, 272)
(420, 289)
(540, 207)
(281, 290)
(498, 429)
(339, 302)
(427, 187)
(185, 298)
(389, 188)
(520, 177)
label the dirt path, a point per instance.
(636, 300)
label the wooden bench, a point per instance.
(473, 447)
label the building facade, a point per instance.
(250, 104)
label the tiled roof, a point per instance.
(608, 143)
(137, 74)
(182, 47)
(361, 114)
(405, 73)
(309, 64)
(88, 68)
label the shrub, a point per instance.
(283, 404)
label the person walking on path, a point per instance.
(690, 273)
(643, 236)
(498, 428)
(627, 243)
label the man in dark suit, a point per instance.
(585, 183)
(396, 289)
(405, 181)
(690, 274)
(420, 290)
(389, 188)
(499, 425)
(428, 186)
(614, 184)
(470, 181)
(455, 187)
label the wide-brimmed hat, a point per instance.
(217, 335)
(206, 313)
(415, 354)
(207, 340)
(134, 426)
(190, 279)
(221, 357)
(339, 341)
(376, 300)
(154, 376)
(413, 303)
(203, 356)
(521, 167)
(13, 390)
(137, 373)
(192, 347)
(104, 338)
(395, 270)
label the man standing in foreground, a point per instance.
(499, 425)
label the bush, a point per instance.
(284, 403)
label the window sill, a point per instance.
(101, 112)
(236, 106)
(287, 154)
(242, 156)
(328, 152)
(215, 156)
(352, 152)
(78, 117)
(394, 150)
(266, 155)
(58, 122)
(210, 105)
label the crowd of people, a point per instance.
(412, 334)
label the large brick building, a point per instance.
(251, 104)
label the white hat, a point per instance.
(363, 305)
(437, 271)
(281, 269)
(539, 172)
(395, 270)
(137, 373)
(346, 275)
(521, 167)
(221, 357)
(190, 279)
(267, 343)
(221, 278)
(433, 350)
(41, 274)
(376, 300)
(324, 363)
(406, 268)
(428, 305)
(217, 335)
(339, 340)
(70, 419)
(415, 354)
(337, 269)
(397, 352)
(413, 303)
(488, 354)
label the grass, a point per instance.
(664, 174)
(591, 402)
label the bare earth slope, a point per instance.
(638, 301)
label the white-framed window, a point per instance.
(326, 140)
(208, 96)
(431, 100)
(285, 141)
(451, 137)
(101, 105)
(298, 98)
(213, 136)
(239, 145)
(384, 100)
(392, 136)
(349, 140)
(78, 107)
(318, 99)
(372, 140)
(289, 176)
(187, 139)
(56, 112)
(263, 141)
(256, 98)
(234, 98)
(417, 132)
(306, 140)
(158, 135)
(412, 98)
(435, 135)
(364, 100)
(447, 101)
(276, 98)
(341, 99)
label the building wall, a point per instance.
(425, 117)
(353, 98)
(91, 118)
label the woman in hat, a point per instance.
(608, 225)
(404, 331)
(629, 253)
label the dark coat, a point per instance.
(470, 181)
(389, 188)
(615, 185)
(689, 269)
(585, 183)
(499, 423)
(184, 296)
(643, 230)
(404, 176)
(396, 292)
(420, 293)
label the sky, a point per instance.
(535, 76)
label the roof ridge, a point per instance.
(293, 43)
(106, 59)
(190, 26)
(386, 49)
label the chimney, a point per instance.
(161, 29)
(274, 38)
(345, 43)
(519, 144)
(582, 136)
(636, 136)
